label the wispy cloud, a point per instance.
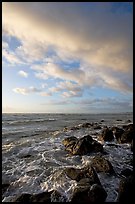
(26, 91)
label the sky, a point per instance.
(67, 57)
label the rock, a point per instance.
(73, 173)
(86, 145)
(117, 132)
(86, 125)
(127, 136)
(57, 197)
(128, 121)
(97, 147)
(69, 140)
(41, 197)
(82, 146)
(126, 172)
(102, 165)
(97, 127)
(126, 190)
(132, 145)
(79, 174)
(102, 120)
(95, 193)
(128, 127)
(118, 120)
(107, 134)
(5, 187)
(88, 187)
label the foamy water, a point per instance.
(33, 157)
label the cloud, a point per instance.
(46, 94)
(11, 57)
(23, 74)
(26, 91)
(96, 35)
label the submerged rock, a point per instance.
(102, 165)
(5, 187)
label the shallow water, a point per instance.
(33, 157)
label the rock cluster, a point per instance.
(82, 145)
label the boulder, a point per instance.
(80, 174)
(41, 197)
(126, 190)
(117, 132)
(107, 134)
(95, 193)
(82, 146)
(127, 136)
(67, 141)
(102, 165)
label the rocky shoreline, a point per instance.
(88, 187)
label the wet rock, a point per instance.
(95, 193)
(88, 187)
(86, 145)
(57, 197)
(97, 127)
(102, 165)
(41, 197)
(132, 145)
(102, 120)
(126, 172)
(117, 132)
(128, 127)
(67, 141)
(82, 146)
(107, 134)
(80, 175)
(127, 136)
(86, 125)
(126, 190)
(5, 187)
(128, 121)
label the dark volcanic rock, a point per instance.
(102, 165)
(126, 190)
(107, 134)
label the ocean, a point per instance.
(33, 155)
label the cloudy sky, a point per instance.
(67, 57)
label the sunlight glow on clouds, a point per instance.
(71, 47)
